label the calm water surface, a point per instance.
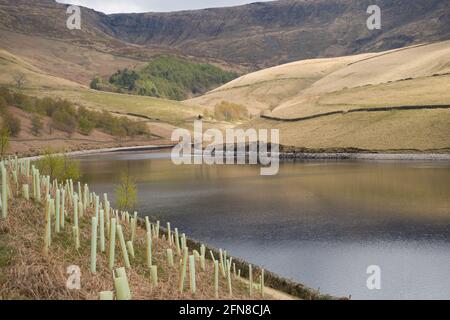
(320, 223)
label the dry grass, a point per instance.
(415, 130)
(26, 273)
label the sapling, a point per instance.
(112, 243)
(94, 245)
(123, 246)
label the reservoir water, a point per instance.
(320, 223)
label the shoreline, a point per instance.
(365, 156)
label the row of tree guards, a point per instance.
(20, 178)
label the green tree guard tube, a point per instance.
(121, 284)
(75, 210)
(76, 237)
(183, 270)
(123, 246)
(112, 244)
(262, 283)
(216, 279)
(230, 288)
(63, 203)
(4, 193)
(94, 245)
(192, 281)
(106, 295)
(26, 192)
(149, 249)
(102, 231)
(130, 248)
(57, 211)
(170, 257)
(177, 241)
(154, 275)
(250, 280)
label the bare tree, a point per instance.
(20, 79)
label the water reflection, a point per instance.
(321, 223)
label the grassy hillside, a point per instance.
(410, 76)
(167, 77)
(40, 84)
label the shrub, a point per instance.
(36, 124)
(59, 167)
(126, 192)
(3, 105)
(226, 111)
(4, 141)
(63, 120)
(12, 123)
(6, 94)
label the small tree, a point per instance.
(36, 124)
(20, 79)
(59, 167)
(126, 192)
(4, 141)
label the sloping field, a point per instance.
(39, 83)
(416, 75)
(414, 130)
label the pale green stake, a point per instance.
(154, 275)
(250, 280)
(169, 237)
(123, 246)
(102, 231)
(202, 263)
(134, 226)
(216, 279)
(222, 266)
(47, 235)
(26, 192)
(57, 211)
(130, 248)
(106, 295)
(262, 283)
(177, 241)
(121, 284)
(4, 193)
(230, 288)
(149, 249)
(94, 246)
(75, 210)
(170, 257)
(147, 225)
(157, 229)
(112, 244)
(76, 237)
(192, 273)
(63, 204)
(97, 206)
(183, 269)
